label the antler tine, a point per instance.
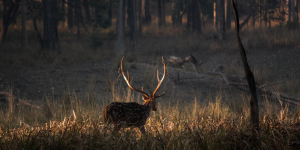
(160, 81)
(158, 75)
(127, 81)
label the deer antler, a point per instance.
(160, 81)
(127, 81)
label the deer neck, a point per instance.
(147, 105)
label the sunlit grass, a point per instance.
(75, 122)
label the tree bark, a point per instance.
(120, 28)
(163, 14)
(196, 24)
(288, 11)
(87, 11)
(188, 13)
(221, 19)
(78, 16)
(110, 11)
(227, 15)
(70, 14)
(147, 19)
(254, 121)
(7, 9)
(35, 24)
(132, 22)
(140, 17)
(50, 25)
(215, 15)
(159, 12)
(24, 32)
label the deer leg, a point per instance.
(117, 127)
(142, 129)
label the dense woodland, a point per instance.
(86, 15)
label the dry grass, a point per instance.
(74, 123)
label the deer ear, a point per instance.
(145, 97)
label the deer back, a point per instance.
(132, 114)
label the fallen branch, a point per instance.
(241, 83)
(13, 99)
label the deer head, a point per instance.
(148, 98)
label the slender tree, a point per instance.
(227, 15)
(288, 11)
(50, 25)
(70, 14)
(24, 23)
(221, 19)
(8, 7)
(159, 8)
(147, 16)
(196, 24)
(250, 79)
(120, 28)
(163, 14)
(86, 7)
(132, 22)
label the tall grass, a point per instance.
(75, 122)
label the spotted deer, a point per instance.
(132, 114)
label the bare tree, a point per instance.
(132, 22)
(9, 7)
(159, 12)
(120, 28)
(70, 14)
(227, 15)
(288, 11)
(24, 23)
(140, 16)
(147, 17)
(196, 24)
(86, 7)
(250, 79)
(221, 19)
(50, 25)
(188, 13)
(163, 14)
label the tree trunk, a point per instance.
(163, 14)
(87, 11)
(260, 13)
(293, 9)
(24, 23)
(159, 13)
(296, 11)
(35, 24)
(221, 19)
(70, 14)
(140, 17)
(188, 13)
(7, 9)
(50, 25)
(228, 15)
(254, 121)
(215, 16)
(132, 22)
(176, 12)
(110, 11)
(196, 24)
(78, 16)
(147, 19)
(265, 14)
(288, 11)
(120, 28)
